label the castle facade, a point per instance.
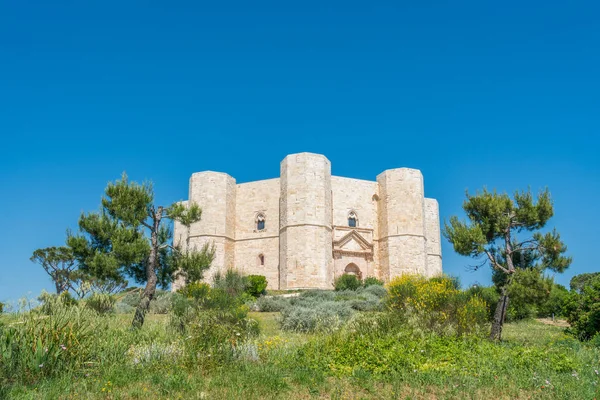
(307, 227)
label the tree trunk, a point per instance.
(499, 316)
(151, 279)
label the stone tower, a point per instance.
(402, 239)
(216, 193)
(305, 240)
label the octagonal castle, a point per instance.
(307, 227)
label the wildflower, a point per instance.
(62, 346)
(596, 371)
(41, 365)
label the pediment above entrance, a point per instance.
(353, 244)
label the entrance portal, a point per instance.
(352, 269)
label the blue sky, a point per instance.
(503, 95)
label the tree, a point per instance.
(491, 234)
(578, 282)
(59, 263)
(129, 237)
(583, 310)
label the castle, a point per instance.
(307, 227)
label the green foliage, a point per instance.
(102, 303)
(436, 305)
(494, 222)
(1, 307)
(315, 316)
(371, 280)
(488, 294)
(528, 289)
(578, 282)
(556, 303)
(128, 237)
(191, 265)
(271, 304)
(256, 285)
(583, 310)
(197, 291)
(232, 282)
(59, 263)
(58, 337)
(347, 282)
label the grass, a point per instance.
(535, 361)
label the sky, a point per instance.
(503, 95)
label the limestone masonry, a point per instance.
(307, 227)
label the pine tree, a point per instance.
(495, 222)
(129, 236)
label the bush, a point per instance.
(583, 310)
(132, 298)
(196, 290)
(347, 282)
(320, 317)
(271, 304)
(232, 282)
(488, 294)
(437, 305)
(102, 303)
(256, 285)
(161, 304)
(1, 307)
(371, 280)
(376, 290)
(556, 303)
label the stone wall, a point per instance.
(252, 199)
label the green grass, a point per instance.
(517, 368)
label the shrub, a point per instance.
(556, 303)
(347, 282)
(318, 295)
(256, 285)
(584, 310)
(437, 305)
(1, 307)
(102, 303)
(162, 303)
(232, 282)
(471, 316)
(196, 290)
(132, 297)
(488, 294)
(271, 304)
(50, 301)
(320, 317)
(371, 280)
(376, 290)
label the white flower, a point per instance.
(41, 365)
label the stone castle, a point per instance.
(307, 227)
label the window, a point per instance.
(261, 260)
(352, 220)
(260, 222)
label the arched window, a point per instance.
(352, 220)
(260, 222)
(261, 260)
